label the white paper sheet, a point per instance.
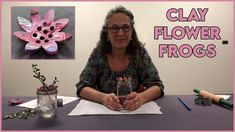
(86, 107)
(33, 103)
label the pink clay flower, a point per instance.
(42, 32)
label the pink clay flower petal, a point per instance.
(32, 46)
(61, 23)
(24, 24)
(35, 16)
(50, 47)
(23, 35)
(61, 36)
(49, 16)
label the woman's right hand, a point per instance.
(111, 101)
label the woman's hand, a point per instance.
(111, 101)
(133, 101)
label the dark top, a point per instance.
(98, 74)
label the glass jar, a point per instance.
(47, 103)
(124, 87)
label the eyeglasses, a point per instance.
(115, 29)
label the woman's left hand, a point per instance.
(133, 101)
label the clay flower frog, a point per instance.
(42, 32)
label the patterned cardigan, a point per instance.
(98, 74)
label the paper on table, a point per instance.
(226, 97)
(86, 107)
(33, 103)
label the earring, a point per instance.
(107, 39)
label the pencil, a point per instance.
(184, 104)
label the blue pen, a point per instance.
(184, 104)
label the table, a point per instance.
(175, 117)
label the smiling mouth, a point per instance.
(120, 39)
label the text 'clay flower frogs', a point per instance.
(42, 32)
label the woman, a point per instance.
(119, 54)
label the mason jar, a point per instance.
(47, 103)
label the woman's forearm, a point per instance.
(150, 93)
(109, 100)
(92, 94)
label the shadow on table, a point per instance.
(46, 123)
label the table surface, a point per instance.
(175, 117)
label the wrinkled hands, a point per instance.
(133, 101)
(111, 101)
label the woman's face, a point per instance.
(119, 31)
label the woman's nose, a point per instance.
(120, 32)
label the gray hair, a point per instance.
(119, 9)
(104, 46)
